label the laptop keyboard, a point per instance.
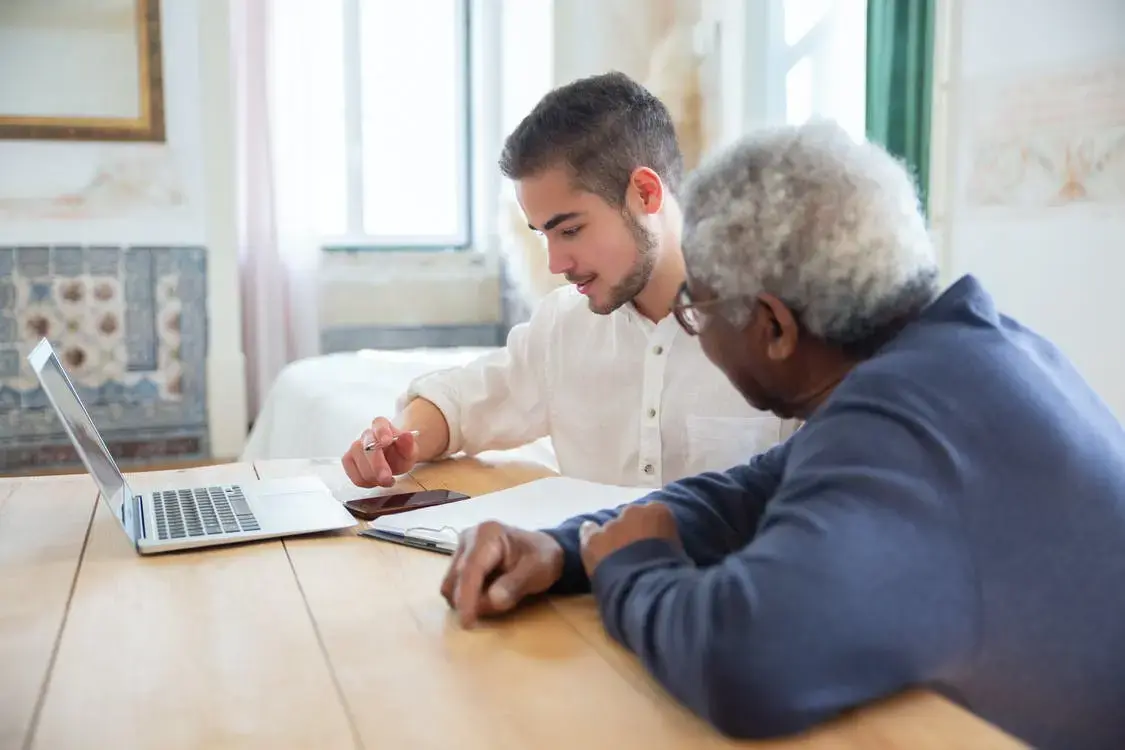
(202, 511)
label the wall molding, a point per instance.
(353, 338)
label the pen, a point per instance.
(368, 447)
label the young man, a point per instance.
(602, 367)
(951, 515)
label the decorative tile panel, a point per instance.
(129, 324)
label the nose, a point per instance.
(558, 261)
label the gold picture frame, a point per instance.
(147, 126)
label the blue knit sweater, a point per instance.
(952, 517)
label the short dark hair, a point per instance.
(601, 128)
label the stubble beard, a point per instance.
(627, 289)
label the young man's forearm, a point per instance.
(433, 431)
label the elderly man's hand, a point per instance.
(497, 566)
(639, 521)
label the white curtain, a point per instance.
(282, 54)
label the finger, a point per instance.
(587, 530)
(486, 554)
(449, 583)
(354, 475)
(475, 569)
(378, 470)
(361, 468)
(452, 578)
(508, 589)
(402, 454)
(383, 430)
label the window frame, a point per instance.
(356, 238)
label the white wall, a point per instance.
(186, 192)
(214, 117)
(1025, 82)
(594, 36)
(408, 289)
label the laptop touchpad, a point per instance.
(292, 507)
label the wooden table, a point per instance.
(327, 641)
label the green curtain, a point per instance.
(900, 76)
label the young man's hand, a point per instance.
(381, 452)
(384, 450)
(496, 566)
(638, 521)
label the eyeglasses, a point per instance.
(689, 314)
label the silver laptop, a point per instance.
(181, 517)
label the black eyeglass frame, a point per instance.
(690, 314)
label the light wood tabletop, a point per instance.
(329, 641)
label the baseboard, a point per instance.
(353, 338)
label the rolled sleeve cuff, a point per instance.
(573, 579)
(443, 396)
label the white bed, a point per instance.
(318, 406)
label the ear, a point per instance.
(782, 330)
(647, 190)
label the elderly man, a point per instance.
(951, 515)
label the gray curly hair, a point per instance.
(829, 226)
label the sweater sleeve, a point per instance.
(716, 513)
(856, 586)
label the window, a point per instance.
(824, 54)
(401, 174)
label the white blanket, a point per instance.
(318, 406)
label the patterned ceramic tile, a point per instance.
(68, 261)
(9, 363)
(140, 319)
(33, 262)
(130, 326)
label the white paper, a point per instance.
(540, 504)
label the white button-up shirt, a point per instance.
(624, 400)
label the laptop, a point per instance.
(176, 517)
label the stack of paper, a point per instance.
(540, 504)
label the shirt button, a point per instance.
(651, 413)
(648, 468)
(658, 350)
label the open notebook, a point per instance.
(539, 504)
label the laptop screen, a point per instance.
(83, 435)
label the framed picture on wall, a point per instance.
(86, 70)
